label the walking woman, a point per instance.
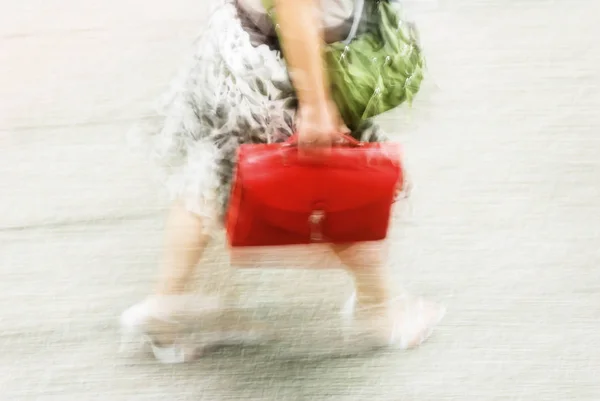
(253, 81)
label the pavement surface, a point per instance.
(504, 226)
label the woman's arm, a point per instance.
(301, 38)
(318, 120)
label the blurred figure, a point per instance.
(237, 89)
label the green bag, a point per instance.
(378, 67)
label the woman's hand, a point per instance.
(318, 126)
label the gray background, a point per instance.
(504, 227)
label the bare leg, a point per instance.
(164, 317)
(366, 263)
(394, 320)
(186, 241)
(160, 317)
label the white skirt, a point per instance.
(232, 91)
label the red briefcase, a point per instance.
(281, 198)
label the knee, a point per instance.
(194, 215)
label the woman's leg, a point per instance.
(162, 316)
(366, 263)
(394, 320)
(165, 316)
(186, 240)
(208, 115)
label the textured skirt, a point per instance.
(232, 91)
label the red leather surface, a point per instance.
(281, 198)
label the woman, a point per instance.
(238, 90)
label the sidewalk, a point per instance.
(505, 225)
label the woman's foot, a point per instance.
(404, 322)
(165, 321)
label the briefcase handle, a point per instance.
(344, 139)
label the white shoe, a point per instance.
(161, 322)
(404, 322)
